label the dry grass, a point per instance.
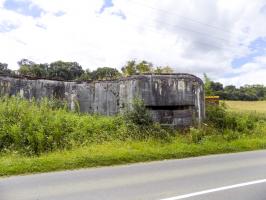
(258, 106)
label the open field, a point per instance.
(258, 106)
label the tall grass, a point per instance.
(38, 136)
(36, 127)
(33, 127)
(225, 125)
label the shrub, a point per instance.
(196, 135)
(220, 117)
(140, 125)
(138, 114)
(216, 115)
(233, 125)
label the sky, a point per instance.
(224, 38)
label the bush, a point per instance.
(140, 125)
(197, 135)
(216, 115)
(232, 125)
(138, 114)
(221, 118)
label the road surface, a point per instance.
(240, 176)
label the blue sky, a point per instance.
(7, 27)
(181, 34)
(23, 7)
(106, 4)
(257, 48)
(110, 4)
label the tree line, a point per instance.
(254, 92)
(73, 71)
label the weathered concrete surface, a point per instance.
(176, 99)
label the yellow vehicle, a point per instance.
(212, 99)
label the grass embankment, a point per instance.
(38, 137)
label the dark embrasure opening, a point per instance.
(171, 107)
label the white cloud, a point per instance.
(193, 36)
(250, 73)
(1, 3)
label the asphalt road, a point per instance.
(240, 176)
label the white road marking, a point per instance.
(185, 196)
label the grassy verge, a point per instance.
(117, 152)
(42, 136)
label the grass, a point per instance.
(117, 152)
(40, 137)
(38, 127)
(240, 106)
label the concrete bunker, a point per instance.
(173, 99)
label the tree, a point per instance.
(65, 70)
(216, 86)
(144, 67)
(130, 68)
(56, 70)
(24, 70)
(86, 76)
(105, 73)
(230, 88)
(4, 69)
(163, 70)
(30, 68)
(26, 67)
(25, 62)
(39, 70)
(207, 85)
(75, 69)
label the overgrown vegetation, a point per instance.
(44, 136)
(224, 125)
(138, 114)
(36, 127)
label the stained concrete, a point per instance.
(173, 99)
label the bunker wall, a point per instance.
(176, 100)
